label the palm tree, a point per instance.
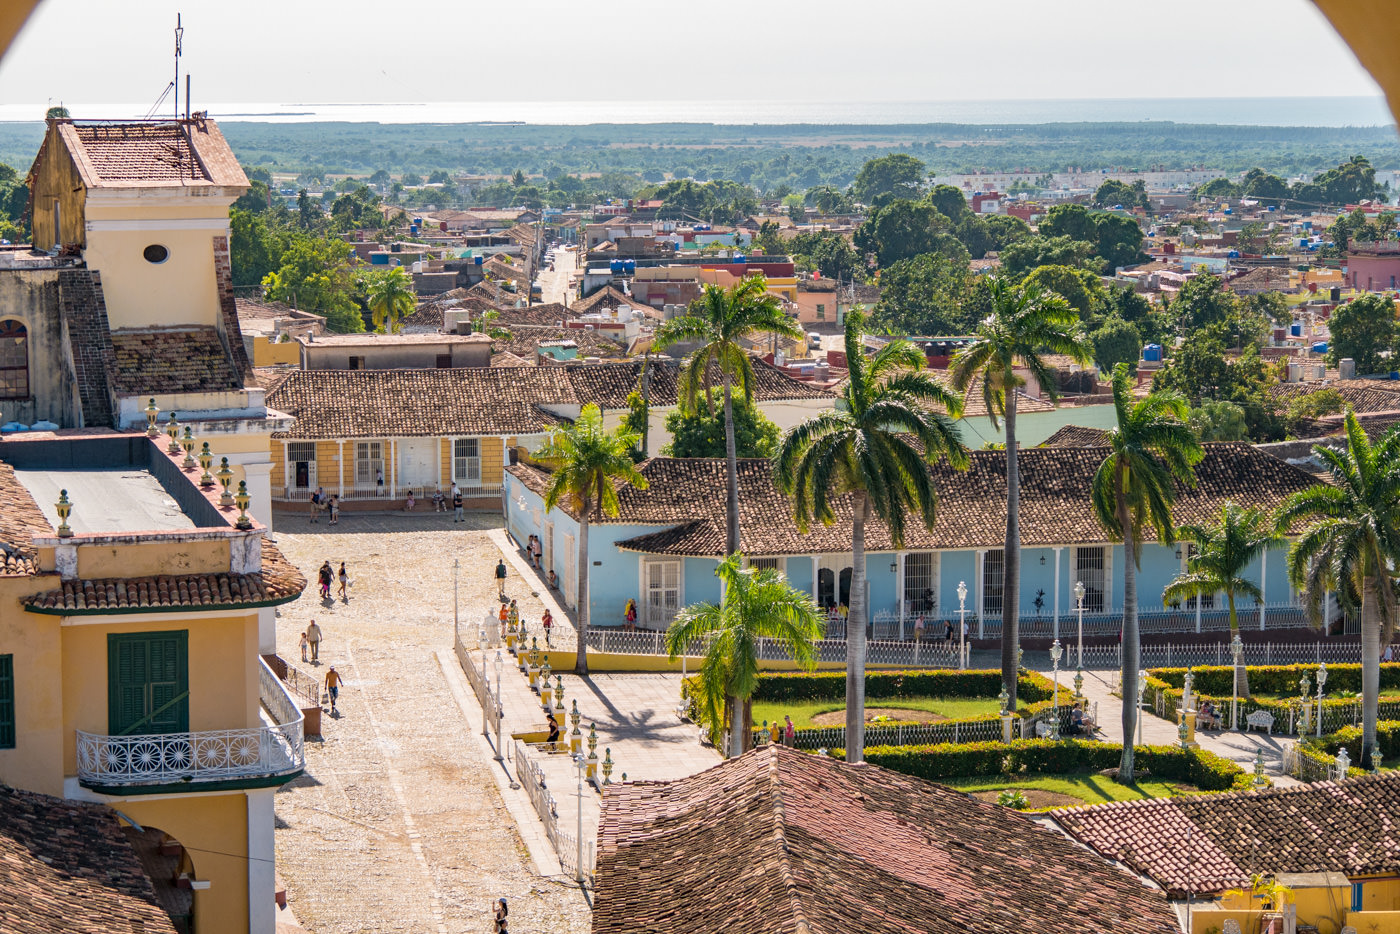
(1027, 322)
(390, 296)
(1222, 553)
(1351, 546)
(756, 604)
(718, 320)
(876, 447)
(1150, 449)
(588, 461)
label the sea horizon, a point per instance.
(1356, 111)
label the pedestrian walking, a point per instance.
(948, 633)
(539, 551)
(326, 575)
(547, 621)
(335, 508)
(313, 638)
(501, 577)
(379, 480)
(303, 645)
(919, 628)
(789, 731)
(503, 614)
(457, 504)
(333, 680)
(501, 911)
(344, 583)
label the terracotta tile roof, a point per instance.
(1210, 843)
(607, 296)
(21, 520)
(524, 340)
(609, 384)
(783, 841)
(1363, 395)
(155, 154)
(160, 360)
(278, 582)
(1075, 436)
(504, 358)
(1055, 506)
(420, 403)
(539, 315)
(67, 867)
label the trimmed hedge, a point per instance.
(1198, 767)
(831, 685)
(1334, 708)
(1387, 740)
(1281, 680)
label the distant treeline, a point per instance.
(799, 156)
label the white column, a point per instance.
(1263, 584)
(340, 478)
(977, 591)
(1058, 549)
(814, 580)
(393, 469)
(899, 589)
(262, 877)
(267, 631)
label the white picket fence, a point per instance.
(565, 844)
(1169, 655)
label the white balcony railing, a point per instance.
(207, 756)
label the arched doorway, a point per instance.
(14, 360)
(171, 871)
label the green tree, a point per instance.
(589, 465)
(1349, 183)
(1082, 289)
(1029, 252)
(254, 249)
(950, 202)
(1074, 221)
(1349, 544)
(904, 229)
(1222, 554)
(924, 295)
(314, 275)
(833, 256)
(1260, 184)
(828, 200)
(718, 319)
(755, 604)
(1116, 341)
(1113, 193)
(1201, 301)
(769, 239)
(1218, 421)
(1364, 329)
(701, 433)
(1219, 188)
(897, 174)
(1118, 240)
(57, 113)
(1025, 324)
(862, 449)
(1133, 489)
(390, 296)
(1005, 230)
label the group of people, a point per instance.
(1080, 720)
(921, 626)
(1207, 717)
(534, 551)
(441, 502)
(321, 502)
(311, 644)
(327, 576)
(510, 619)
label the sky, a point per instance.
(85, 52)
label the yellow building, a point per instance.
(129, 666)
(127, 294)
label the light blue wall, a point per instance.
(957, 566)
(799, 573)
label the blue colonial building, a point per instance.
(662, 548)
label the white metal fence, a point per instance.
(565, 844)
(1169, 655)
(927, 654)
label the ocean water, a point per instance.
(1246, 111)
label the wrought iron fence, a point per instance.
(925, 654)
(1170, 655)
(899, 734)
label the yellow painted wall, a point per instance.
(1206, 919)
(274, 353)
(57, 180)
(277, 475)
(213, 828)
(222, 671)
(492, 454)
(98, 561)
(180, 291)
(1367, 921)
(1378, 894)
(36, 762)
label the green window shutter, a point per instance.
(7, 702)
(148, 680)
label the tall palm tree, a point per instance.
(1222, 553)
(1027, 323)
(876, 447)
(390, 297)
(1151, 448)
(756, 604)
(1351, 546)
(718, 319)
(588, 463)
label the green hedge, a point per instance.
(1276, 679)
(1198, 767)
(1387, 739)
(831, 685)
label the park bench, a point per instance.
(1043, 730)
(1261, 719)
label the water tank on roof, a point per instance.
(629, 266)
(1346, 368)
(1152, 353)
(480, 261)
(1319, 347)
(740, 258)
(13, 426)
(1296, 329)
(615, 266)
(1233, 254)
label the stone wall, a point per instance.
(31, 296)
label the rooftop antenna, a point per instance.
(179, 37)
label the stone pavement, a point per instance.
(398, 824)
(1155, 731)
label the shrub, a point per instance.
(831, 685)
(1013, 799)
(1387, 741)
(946, 760)
(1281, 680)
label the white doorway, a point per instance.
(418, 465)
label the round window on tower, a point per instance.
(155, 253)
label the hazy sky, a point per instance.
(317, 51)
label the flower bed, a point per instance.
(1198, 767)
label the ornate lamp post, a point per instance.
(607, 766)
(962, 624)
(1259, 780)
(65, 509)
(1343, 763)
(578, 870)
(500, 708)
(1079, 600)
(225, 476)
(559, 693)
(576, 735)
(1003, 699)
(206, 460)
(243, 499)
(152, 430)
(1055, 652)
(1305, 705)
(1236, 653)
(1321, 680)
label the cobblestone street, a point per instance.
(397, 824)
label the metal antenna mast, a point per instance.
(179, 36)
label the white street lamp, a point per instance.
(500, 707)
(1079, 598)
(1321, 680)
(456, 565)
(962, 624)
(1237, 653)
(1142, 686)
(1055, 652)
(578, 872)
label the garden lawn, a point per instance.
(1087, 788)
(949, 708)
